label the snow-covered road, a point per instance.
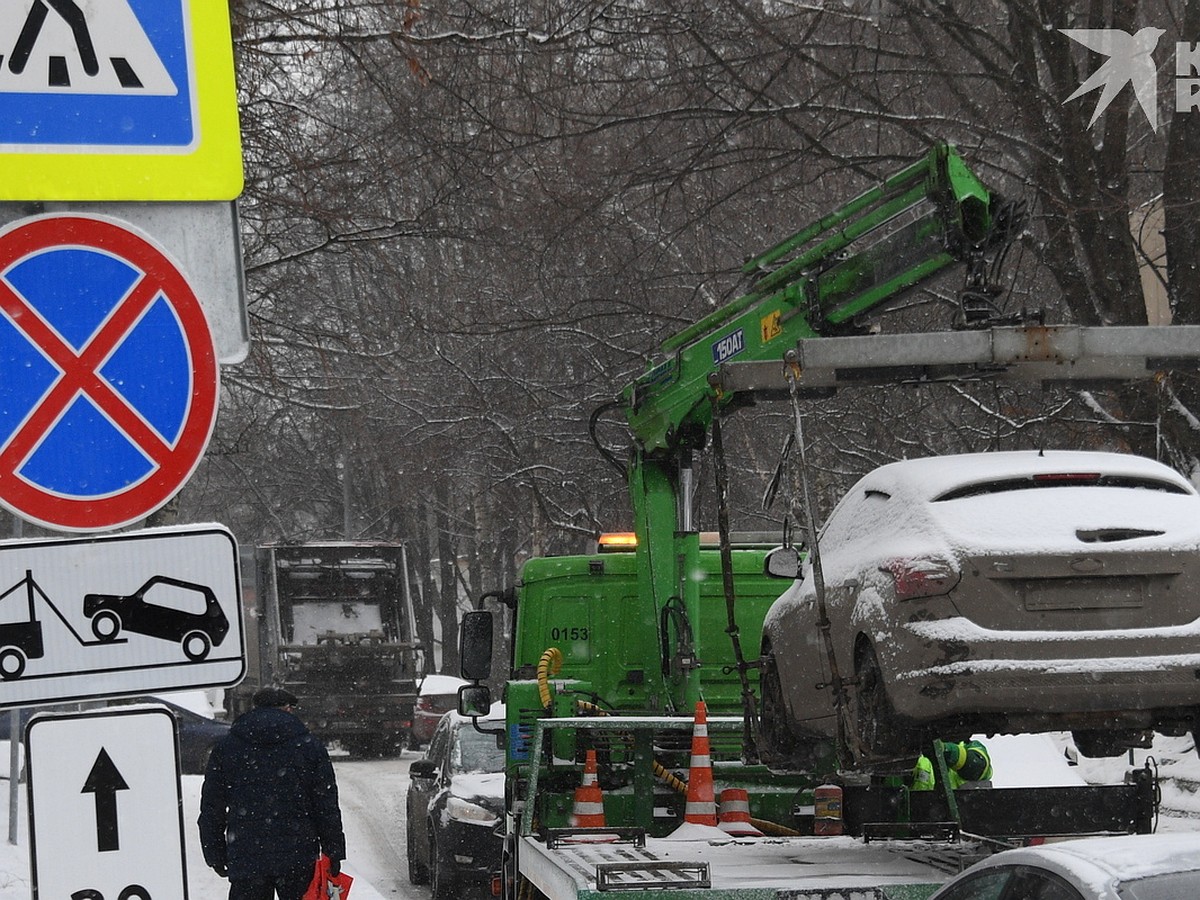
(372, 795)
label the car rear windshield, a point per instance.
(1056, 480)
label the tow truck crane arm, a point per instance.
(932, 214)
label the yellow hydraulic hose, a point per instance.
(550, 664)
(673, 782)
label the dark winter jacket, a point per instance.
(269, 803)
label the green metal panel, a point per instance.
(611, 637)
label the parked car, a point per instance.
(198, 734)
(455, 808)
(995, 593)
(1130, 867)
(437, 695)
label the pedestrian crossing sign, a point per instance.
(118, 100)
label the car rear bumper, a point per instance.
(1134, 677)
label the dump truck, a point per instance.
(617, 661)
(334, 625)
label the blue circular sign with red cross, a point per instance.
(109, 388)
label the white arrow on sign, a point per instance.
(79, 47)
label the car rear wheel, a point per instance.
(106, 625)
(441, 876)
(777, 744)
(196, 645)
(875, 720)
(418, 872)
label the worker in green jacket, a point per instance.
(966, 761)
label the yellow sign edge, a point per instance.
(213, 171)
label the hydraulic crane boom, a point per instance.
(817, 282)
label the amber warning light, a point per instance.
(617, 541)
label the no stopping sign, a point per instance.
(108, 392)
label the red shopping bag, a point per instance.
(325, 886)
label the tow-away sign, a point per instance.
(105, 806)
(118, 615)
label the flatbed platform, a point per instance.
(762, 868)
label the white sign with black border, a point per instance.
(119, 615)
(106, 805)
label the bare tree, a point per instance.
(468, 225)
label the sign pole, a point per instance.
(14, 739)
(14, 772)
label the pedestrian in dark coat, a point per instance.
(269, 804)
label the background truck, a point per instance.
(334, 625)
(613, 654)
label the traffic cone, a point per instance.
(735, 814)
(588, 811)
(701, 808)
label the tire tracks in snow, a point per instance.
(372, 800)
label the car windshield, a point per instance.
(476, 752)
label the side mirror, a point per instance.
(423, 768)
(475, 645)
(782, 562)
(474, 700)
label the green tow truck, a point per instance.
(612, 651)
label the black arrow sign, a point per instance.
(104, 781)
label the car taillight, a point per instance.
(915, 578)
(425, 704)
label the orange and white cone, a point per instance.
(588, 811)
(735, 814)
(701, 808)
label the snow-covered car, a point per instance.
(996, 593)
(455, 807)
(437, 695)
(1129, 867)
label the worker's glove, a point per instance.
(221, 869)
(335, 866)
